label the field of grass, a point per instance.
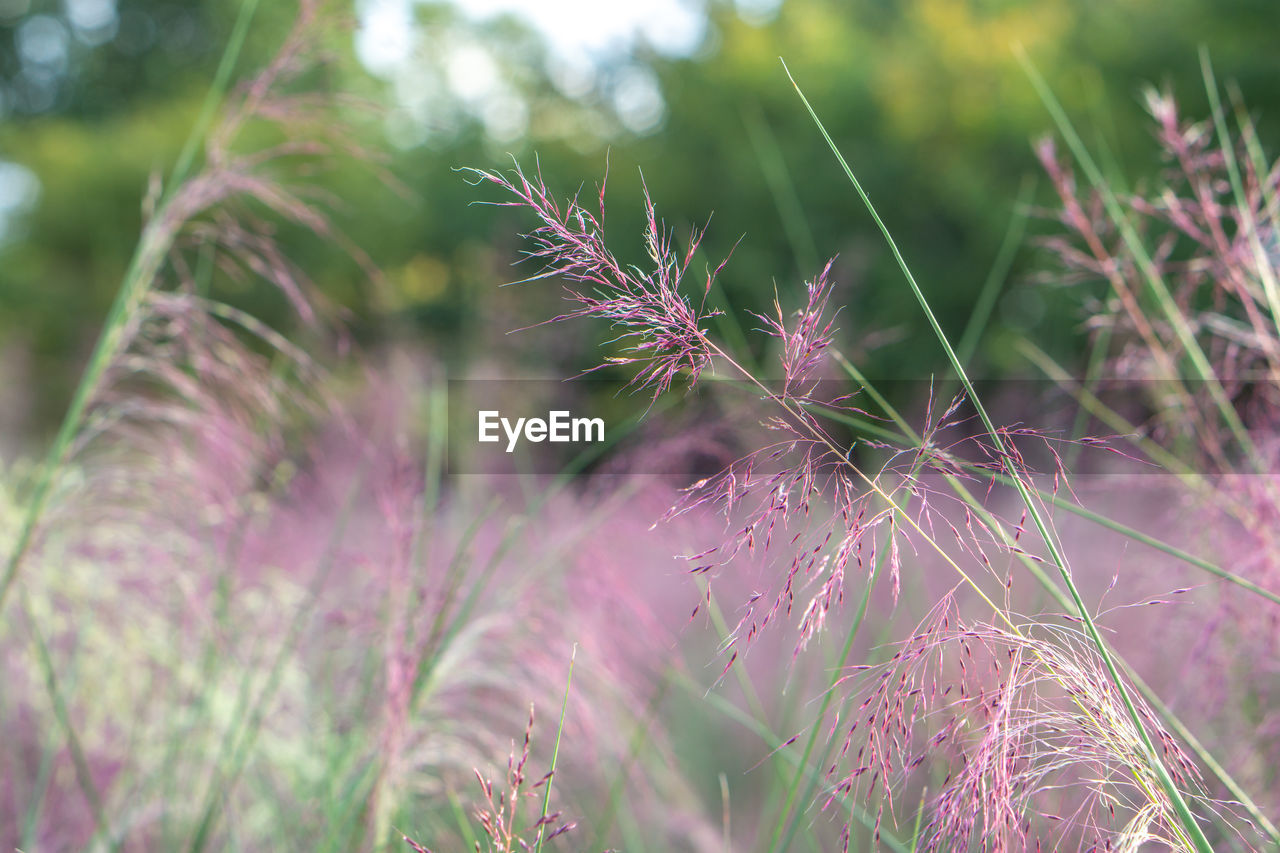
(254, 599)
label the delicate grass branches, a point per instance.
(782, 486)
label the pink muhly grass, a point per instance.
(1039, 751)
(774, 493)
(181, 379)
(1207, 231)
(805, 344)
(1208, 228)
(658, 324)
(501, 815)
(667, 339)
(769, 493)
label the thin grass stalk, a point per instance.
(40, 784)
(1192, 829)
(84, 775)
(212, 100)
(461, 820)
(555, 755)
(986, 302)
(726, 836)
(915, 832)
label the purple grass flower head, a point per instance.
(840, 518)
(1037, 748)
(1190, 266)
(501, 814)
(804, 487)
(805, 343)
(659, 326)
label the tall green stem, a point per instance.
(1187, 820)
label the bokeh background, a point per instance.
(925, 97)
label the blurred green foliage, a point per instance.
(925, 98)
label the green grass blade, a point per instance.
(1186, 819)
(1000, 268)
(83, 773)
(774, 168)
(915, 833)
(462, 821)
(555, 753)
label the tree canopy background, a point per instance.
(925, 98)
